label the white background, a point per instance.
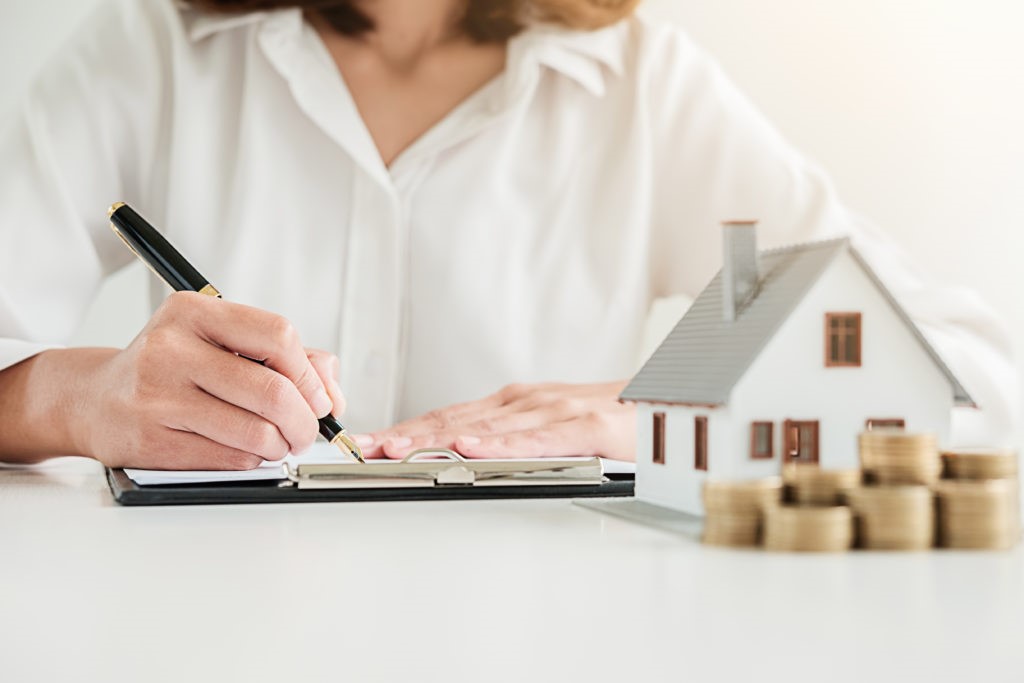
(916, 108)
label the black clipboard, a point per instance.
(127, 492)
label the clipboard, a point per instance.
(428, 474)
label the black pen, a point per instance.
(157, 253)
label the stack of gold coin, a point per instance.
(894, 517)
(979, 514)
(890, 456)
(734, 509)
(980, 463)
(807, 528)
(809, 484)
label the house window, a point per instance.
(885, 423)
(801, 441)
(658, 443)
(700, 443)
(842, 339)
(762, 444)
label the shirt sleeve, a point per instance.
(85, 136)
(723, 161)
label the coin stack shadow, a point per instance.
(979, 504)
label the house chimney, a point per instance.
(739, 265)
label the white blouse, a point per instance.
(521, 239)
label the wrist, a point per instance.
(46, 403)
(78, 398)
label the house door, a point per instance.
(801, 441)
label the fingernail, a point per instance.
(400, 442)
(363, 440)
(469, 440)
(322, 403)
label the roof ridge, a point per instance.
(806, 246)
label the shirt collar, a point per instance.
(587, 57)
(584, 56)
(200, 25)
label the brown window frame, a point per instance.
(762, 455)
(885, 423)
(841, 347)
(658, 442)
(788, 443)
(700, 443)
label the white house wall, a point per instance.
(789, 379)
(676, 484)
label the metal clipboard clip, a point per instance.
(437, 467)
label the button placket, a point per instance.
(407, 182)
(370, 320)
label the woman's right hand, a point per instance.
(182, 396)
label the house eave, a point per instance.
(666, 402)
(961, 397)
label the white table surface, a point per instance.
(476, 590)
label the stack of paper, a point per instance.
(320, 454)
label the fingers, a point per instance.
(401, 446)
(172, 449)
(259, 390)
(184, 393)
(402, 438)
(445, 419)
(369, 445)
(258, 335)
(573, 437)
(520, 421)
(609, 432)
(234, 427)
(326, 366)
(497, 422)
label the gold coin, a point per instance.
(722, 495)
(897, 476)
(981, 463)
(978, 514)
(894, 517)
(732, 530)
(808, 529)
(976, 490)
(809, 484)
(887, 436)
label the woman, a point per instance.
(452, 195)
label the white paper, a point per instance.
(618, 466)
(320, 453)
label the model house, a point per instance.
(785, 357)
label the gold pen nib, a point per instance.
(345, 443)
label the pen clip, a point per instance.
(207, 289)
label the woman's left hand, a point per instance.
(520, 421)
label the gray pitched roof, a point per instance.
(704, 357)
